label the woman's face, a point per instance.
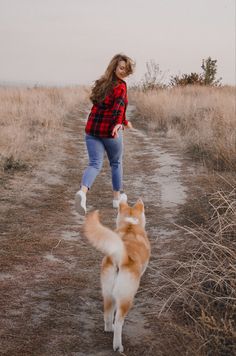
(121, 70)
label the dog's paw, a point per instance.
(119, 348)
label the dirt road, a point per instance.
(50, 293)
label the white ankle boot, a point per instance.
(80, 202)
(116, 202)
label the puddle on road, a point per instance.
(167, 170)
(172, 191)
(159, 177)
(166, 166)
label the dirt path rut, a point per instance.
(51, 302)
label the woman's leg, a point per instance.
(95, 148)
(114, 150)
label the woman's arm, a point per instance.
(119, 106)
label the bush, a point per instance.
(208, 77)
(153, 78)
(187, 79)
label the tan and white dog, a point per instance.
(127, 251)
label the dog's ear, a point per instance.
(93, 216)
(122, 206)
(139, 205)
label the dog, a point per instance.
(127, 252)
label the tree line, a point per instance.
(154, 78)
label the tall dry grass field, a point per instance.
(201, 283)
(32, 119)
(203, 119)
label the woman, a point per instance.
(103, 128)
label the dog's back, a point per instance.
(127, 251)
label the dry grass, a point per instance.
(201, 281)
(32, 119)
(201, 284)
(203, 119)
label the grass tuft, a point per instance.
(10, 164)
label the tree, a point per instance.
(209, 67)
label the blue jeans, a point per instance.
(96, 147)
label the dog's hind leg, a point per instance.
(108, 277)
(122, 310)
(109, 310)
(124, 291)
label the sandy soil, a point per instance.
(50, 293)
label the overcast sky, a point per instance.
(72, 41)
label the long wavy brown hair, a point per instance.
(104, 85)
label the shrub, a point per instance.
(187, 79)
(208, 77)
(153, 78)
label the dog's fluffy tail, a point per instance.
(103, 238)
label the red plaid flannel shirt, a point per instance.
(110, 112)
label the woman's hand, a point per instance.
(115, 130)
(129, 125)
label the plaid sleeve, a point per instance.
(119, 107)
